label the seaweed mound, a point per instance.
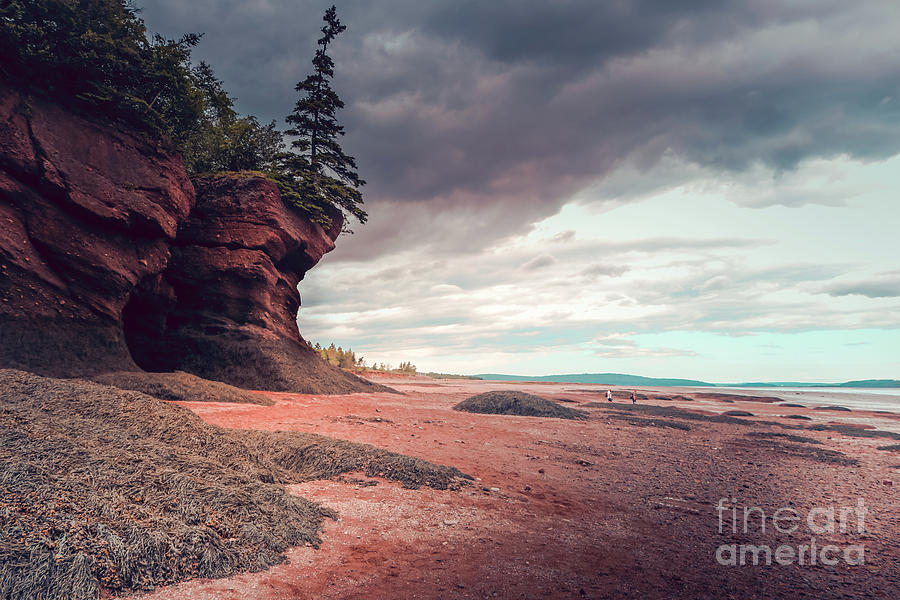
(784, 436)
(180, 386)
(513, 402)
(653, 410)
(105, 489)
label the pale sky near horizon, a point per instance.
(707, 191)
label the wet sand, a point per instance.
(856, 399)
(620, 506)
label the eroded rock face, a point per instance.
(107, 261)
(87, 212)
(225, 307)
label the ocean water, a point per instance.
(831, 390)
(887, 399)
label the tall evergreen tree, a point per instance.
(319, 173)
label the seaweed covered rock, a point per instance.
(513, 402)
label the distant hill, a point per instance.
(434, 375)
(872, 383)
(626, 380)
(601, 378)
(863, 383)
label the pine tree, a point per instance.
(318, 173)
(347, 360)
(331, 354)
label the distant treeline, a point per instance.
(434, 375)
(347, 359)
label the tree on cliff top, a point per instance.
(318, 172)
(97, 56)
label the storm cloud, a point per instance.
(875, 288)
(634, 179)
(459, 104)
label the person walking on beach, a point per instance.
(608, 396)
(633, 398)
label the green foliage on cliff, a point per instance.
(225, 140)
(97, 56)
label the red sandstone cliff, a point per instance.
(225, 308)
(106, 259)
(87, 212)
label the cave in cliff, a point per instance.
(225, 307)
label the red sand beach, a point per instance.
(621, 505)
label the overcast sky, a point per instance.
(702, 188)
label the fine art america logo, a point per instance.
(820, 520)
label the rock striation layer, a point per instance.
(225, 308)
(87, 212)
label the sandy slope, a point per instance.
(608, 508)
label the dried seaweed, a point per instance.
(104, 488)
(180, 386)
(513, 402)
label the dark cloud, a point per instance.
(493, 114)
(606, 270)
(564, 237)
(872, 288)
(587, 32)
(539, 262)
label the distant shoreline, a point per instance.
(625, 379)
